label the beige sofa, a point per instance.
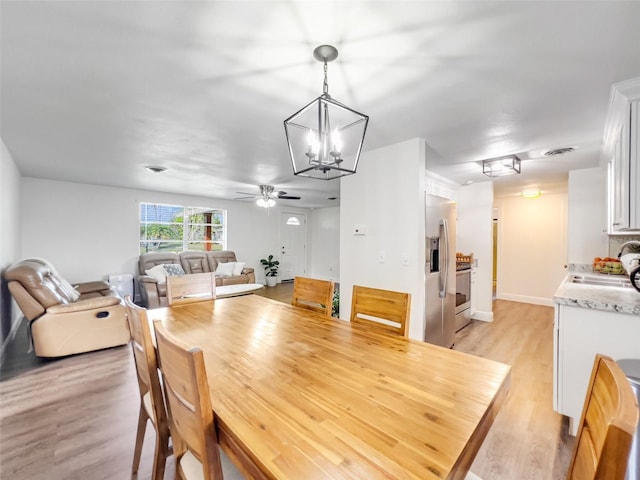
(66, 319)
(154, 292)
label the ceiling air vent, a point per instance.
(558, 151)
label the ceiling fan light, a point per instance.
(265, 202)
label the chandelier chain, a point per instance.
(325, 85)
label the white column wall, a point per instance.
(89, 231)
(474, 234)
(385, 198)
(532, 247)
(324, 258)
(587, 228)
(9, 238)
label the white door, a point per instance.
(293, 251)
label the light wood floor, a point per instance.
(75, 418)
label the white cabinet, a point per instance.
(622, 152)
(620, 176)
(580, 333)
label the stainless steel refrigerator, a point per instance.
(440, 271)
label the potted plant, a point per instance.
(335, 307)
(270, 270)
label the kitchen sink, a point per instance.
(602, 281)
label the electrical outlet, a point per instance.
(405, 260)
(381, 257)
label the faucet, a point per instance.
(635, 243)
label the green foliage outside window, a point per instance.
(173, 228)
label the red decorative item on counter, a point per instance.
(608, 265)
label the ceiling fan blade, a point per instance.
(283, 195)
(245, 198)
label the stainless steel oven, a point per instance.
(463, 296)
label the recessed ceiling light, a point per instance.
(558, 151)
(155, 169)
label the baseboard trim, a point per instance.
(547, 302)
(483, 316)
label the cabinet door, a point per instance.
(620, 180)
(581, 333)
(634, 166)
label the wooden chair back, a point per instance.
(608, 422)
(189, 404)
(370, 305)
(144, 354)
(313, 294)
(194, 287)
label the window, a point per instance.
(173, 228)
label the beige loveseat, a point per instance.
(66, 319)
(153, 289)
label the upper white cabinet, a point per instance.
(621, 151)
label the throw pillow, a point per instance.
(237, 269)
(173, 269)
(225, 269)
(158, 273)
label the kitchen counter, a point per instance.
(596, 297)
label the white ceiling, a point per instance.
(92, 91)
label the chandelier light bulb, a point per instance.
(336, 141)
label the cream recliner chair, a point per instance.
(64, 319)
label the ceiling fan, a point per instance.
(267, 197)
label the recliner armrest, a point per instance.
(149, 291)
(247, 270)
(84, 305)
(89, 287)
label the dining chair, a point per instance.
(194, 287)
(195, 442)
(607, 425)
(313, 294)
(385, 309)
(151, 399)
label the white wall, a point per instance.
(386, 198)
(9, 237)
(475, 235)
(587, 227)
(89, 231)
(324, 255)
(532, 247)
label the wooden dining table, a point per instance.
(297, 395)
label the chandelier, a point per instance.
(325, 137)
(502, 166)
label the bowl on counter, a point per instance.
(609, 266)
